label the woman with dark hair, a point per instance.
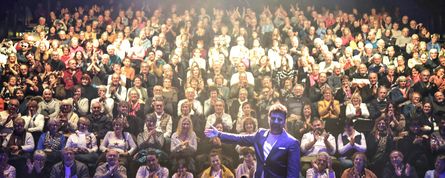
(439, 168)
(428, 121)
(397, 167)
(358, 170)
(396, 121)
(19, 94)
(33, 86)
(88, 91)
(80, 103)
(379, 144)
(299, 126)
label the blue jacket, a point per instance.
(282, 161)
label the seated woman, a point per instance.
(248, 166)
(358, 169)
(184, 143)
(52, 142)
(20, 144)
(399, 94)
(6, 170)
(149, 140)
(329, 111)
(84, 143)
(182, 171)
(246, 112)
(321, 167)
(396, 121)
(34, 122)
(119, 141)
(36, 168)
(379, 144)
(356, 109)
(439, 168)
(350, 142)
(249, 127)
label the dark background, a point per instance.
(428, 12)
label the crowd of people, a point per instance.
(105, 92)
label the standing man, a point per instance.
(277, 153)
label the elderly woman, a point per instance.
(358, 169)
(52, 142)
(356, 109)
(399, 93)
(119, 141)
(321, 167)
(84, 143)
(36, 168)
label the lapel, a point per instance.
(279, 142)
(263, 137)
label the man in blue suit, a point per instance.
(277, 152)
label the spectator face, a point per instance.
(382, 94)
(186, 125)
(318, 127)
(152, 162)
(72, 64)
(68, 157)
(219, 127)
(359, 161)
(327, 95)
(396, 158)
(219, 107)
(185, 109)
(112, 158)
(439, 96)
(96, 108)
(381, 125)
(215, 162)
(159, 106)
(134, 95)
(425, 76)
(47, 95)
(322, 163)
(20, 95)
(118, 127)
(19, 126)
(115, 79)
(416, 98)
(426, 108)
(277, 120)
(77, 92)
(123, 108)
(54, 126)
(373, 78)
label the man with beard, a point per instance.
(277, 152)
(439, 104)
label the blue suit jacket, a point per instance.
(282, 161)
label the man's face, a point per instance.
(68, 157)
(317, 126)
(112, 158)
(439, 96)
(159, 106)
(425, 76)
(215, 162)
(373, 78)
(152, 162)
(47, 95)
(382, 94)
(96, 108)
(277, 120)
(219, 107)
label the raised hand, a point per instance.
(211, 132)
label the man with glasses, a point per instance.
(277, 153)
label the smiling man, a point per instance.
(277, 153)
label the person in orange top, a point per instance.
(329, 111)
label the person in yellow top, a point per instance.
(216, 169)
(329, 111)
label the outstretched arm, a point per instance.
(243, 140)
